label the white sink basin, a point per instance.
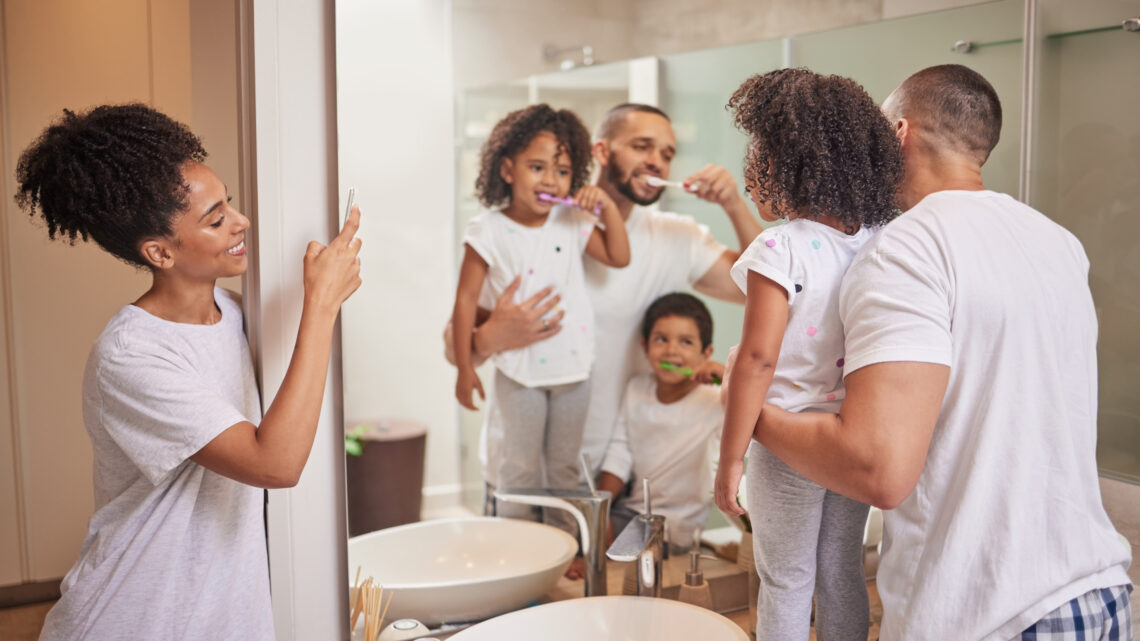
(458, 570)
(624, 618)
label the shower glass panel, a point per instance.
(1086, 176)
(588, 92)
(696, 88)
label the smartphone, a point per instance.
(348, 207)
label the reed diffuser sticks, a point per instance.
(368, 599)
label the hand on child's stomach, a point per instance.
(514, 325)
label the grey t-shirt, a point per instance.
(173, 551)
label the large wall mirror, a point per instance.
(469, 63)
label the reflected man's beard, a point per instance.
(625, 187)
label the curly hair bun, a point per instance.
(113, 174)
(514, 133)
(819, 145)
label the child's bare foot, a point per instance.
(577, 569)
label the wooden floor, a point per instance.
(23, 623)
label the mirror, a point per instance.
(412, 154)
(693, 88)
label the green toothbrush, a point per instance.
(684, 371)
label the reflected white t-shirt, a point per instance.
(674, 445)
(1006, 522)
(550, 255)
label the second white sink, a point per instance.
(608, 617)
(458, 570)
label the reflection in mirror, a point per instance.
(693, 88)
(414, 162)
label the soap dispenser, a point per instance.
(695, 589)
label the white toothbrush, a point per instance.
(654, 181)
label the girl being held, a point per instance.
(534, 156)
(822, 155)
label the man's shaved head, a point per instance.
(615, 118)
(954, 106)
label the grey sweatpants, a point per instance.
(806, 539)
(542, 432)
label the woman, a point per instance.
(176, 547)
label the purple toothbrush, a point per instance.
(567, 201)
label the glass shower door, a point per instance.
(1085, 174)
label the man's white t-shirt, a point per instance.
(550, 255)
(668, 253)
(674, 445)
(1006, 523)
(173, 551)
(807, 260)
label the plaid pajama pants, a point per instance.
(1098, 615)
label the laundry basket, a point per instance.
(385, 481)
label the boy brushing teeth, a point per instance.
(669, 426)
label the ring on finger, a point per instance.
(545, 324)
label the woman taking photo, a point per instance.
(176, 547)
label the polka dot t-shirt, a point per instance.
(550, 255)
(807, 259)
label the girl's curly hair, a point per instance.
(818, 146)
(515, 132)
(113, 174)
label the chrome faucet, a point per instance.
(590, 509)
(643, 541)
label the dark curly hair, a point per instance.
(818, 146)
(113, 174)
(683, 305)
(514, 132)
